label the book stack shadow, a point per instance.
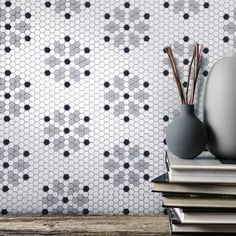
(199, 194)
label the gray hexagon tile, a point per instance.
(230, 26)
(187, 8)
(125, 165)
(66, 57)
(15, 26)
(15, 96)
(66, 130)
(68, 8)
(14, 164)
(126, 27)
(65, 196)
(126, 95)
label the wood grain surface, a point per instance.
(85, 225)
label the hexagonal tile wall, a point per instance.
(66, 130)
(86, 94)
(186, 8)
(15, 95)
(14, 163)
(65, 196)
(126, 95)
(65, 57)
(125, 165)
(126, 26)
(229, 27)
(68, 8)
(15, 25)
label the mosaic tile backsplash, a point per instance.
(86, 92)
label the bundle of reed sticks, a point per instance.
(193, 73)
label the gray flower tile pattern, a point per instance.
(14, 165)
(68, 7)
(65, 196)
(230, 27)
(14, 97)
(126, 95)
(67, 57)
(66, 130)
(183, 51)
(125, 164)
(126, 27)
(186, 8)
(15, 26)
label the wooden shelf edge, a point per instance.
(85, 225)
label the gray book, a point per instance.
(162, 184)
(214, 217)
(205, 168)
(201, 202)
(190, 229)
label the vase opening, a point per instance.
(187, 109)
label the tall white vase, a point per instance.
(220, 108)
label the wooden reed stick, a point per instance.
(176, 74)
(193, 72)
(197, 66)
(189, 74)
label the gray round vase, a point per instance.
(186, 136)
(220, 108)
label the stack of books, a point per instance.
(200, 194)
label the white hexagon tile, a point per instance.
(86, 93)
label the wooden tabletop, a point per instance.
(85, 225)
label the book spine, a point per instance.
(167, 162)
(175, 214)
(170, 222)
(198, 195)
(173, 218)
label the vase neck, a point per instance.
(187, 109)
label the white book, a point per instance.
(201, 202)
(177, 227)
(202, 217)
(203, 228)
(205, 168)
